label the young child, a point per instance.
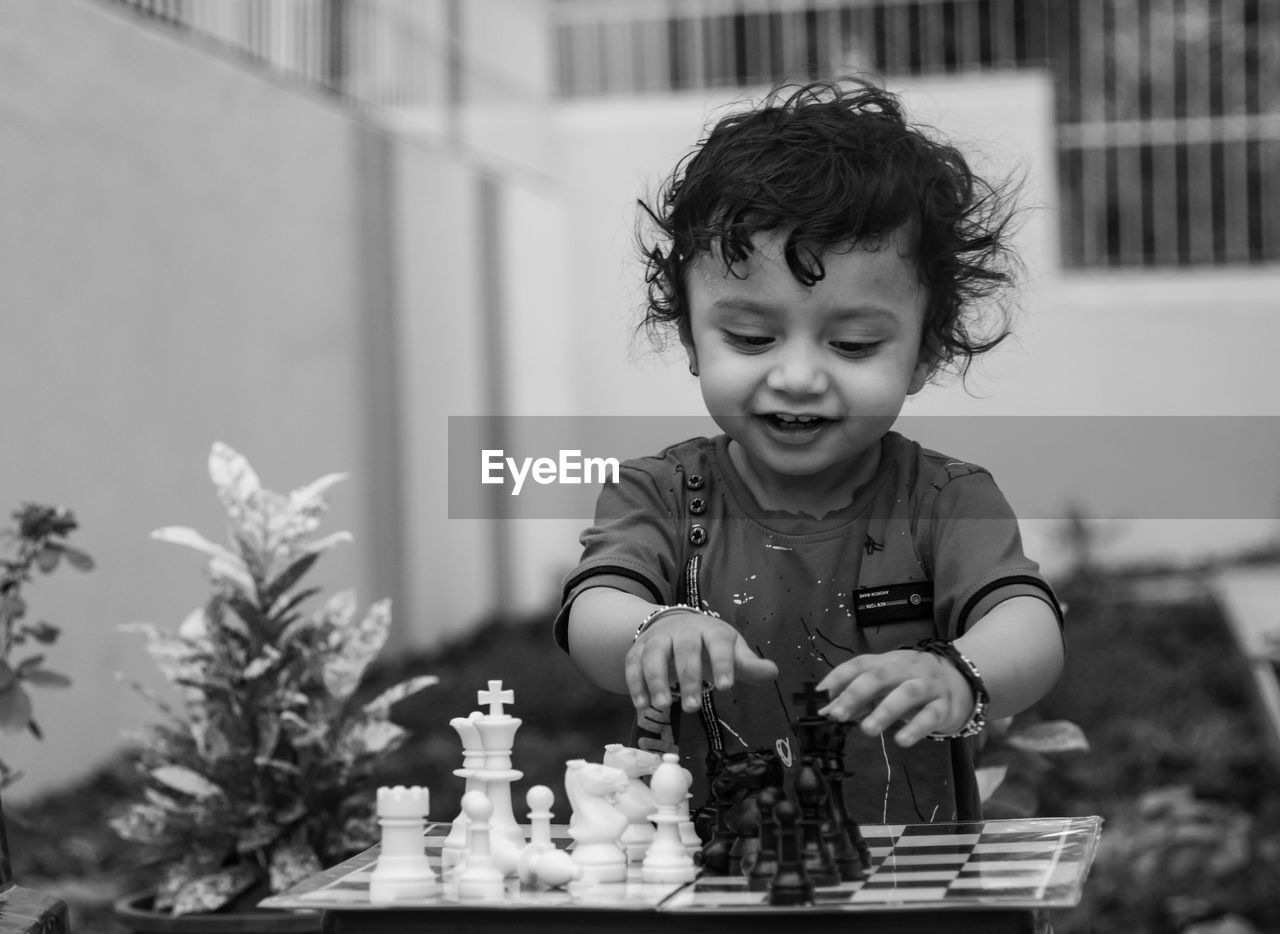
(820, 259)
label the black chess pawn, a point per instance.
(765, 866)
(811, 792)
(791, 885)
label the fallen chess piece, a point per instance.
(554, 869)
(403, 870)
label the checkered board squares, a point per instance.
(1039, 863)
(1036, 864)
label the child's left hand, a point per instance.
(905, 683)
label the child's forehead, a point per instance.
(768, 257)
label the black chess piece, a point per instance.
(844, 838)
(815, 850)
(790, 885)
(765, 866)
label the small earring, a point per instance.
(693, 368)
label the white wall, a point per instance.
(188, 253)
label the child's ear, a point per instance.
(686, 339)
(920, 375)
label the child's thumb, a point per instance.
(750, 666)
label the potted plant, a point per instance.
(36, 542)
(263, 770)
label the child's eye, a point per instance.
(855, 348)
(747, 341)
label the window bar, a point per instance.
(1235, 148)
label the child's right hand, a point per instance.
(684, 648)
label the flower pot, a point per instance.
(134, 913)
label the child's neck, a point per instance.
(813, 495)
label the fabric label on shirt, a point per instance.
(893, 603)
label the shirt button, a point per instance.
(695, 482)
(697, 535)
(697, 505)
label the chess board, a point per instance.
(1029, 864)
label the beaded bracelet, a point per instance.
(655, 614)
(978, 719)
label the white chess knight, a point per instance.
(597, 824)
(403, 870)
(637, 802)
(668, 859)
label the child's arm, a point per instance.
(1017, 647)
(681, 647)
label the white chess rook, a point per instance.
(403, 870)
(668, 859)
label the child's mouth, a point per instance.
(794, 423)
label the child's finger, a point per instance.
(720, 660)
(751, 667)
(928, 720)
(904, 700)
(689, 677)
(655, 665)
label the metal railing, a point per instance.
(1168, 111)
(380, 54)
(612, 47)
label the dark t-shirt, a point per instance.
(928, 545)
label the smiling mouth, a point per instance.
(795, 423)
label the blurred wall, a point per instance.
(192, 251)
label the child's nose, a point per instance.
(798, 371)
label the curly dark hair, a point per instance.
(836, 164)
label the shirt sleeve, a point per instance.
(977, 553)
(632, 545)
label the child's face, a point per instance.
(807, 380)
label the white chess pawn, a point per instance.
(403, 870)
(668, 859)
(478, 877)
(539, 798)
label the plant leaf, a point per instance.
(211, 892)
(356, 649)
(381, 705)
(46, 678)
(1049, 737)
(181, 535)
(291, 864)
(15, 708)
(181, 778)
(324, 544)
(284, 582)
